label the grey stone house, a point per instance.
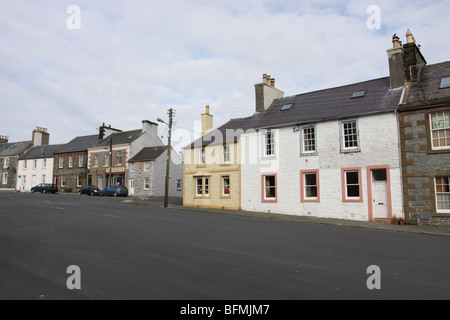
(425, 145)
(424, 121)
(147, 173)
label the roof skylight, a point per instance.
(445, 82)
(359, 93)
(287, 107)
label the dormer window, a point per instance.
(445, 82)
(359, 94)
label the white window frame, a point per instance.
(346, 185)
(70, 161)
(132, 167)
(34, 164)
(24, 164)
(205, 191)
(179, 184)
(442, 195)
(445, 82)
(440, 124)
(79, 181)
(63, 181)
(107, 159)
(344, 134)
(267, 187)
(147, 165)
(43, 178)
(5, 163)
(80, 161)
(226, 186)
(303, 131)
(44, 163)
(201, 156)
(147, 181)
(61, 162)
(269, 143)
(95, 160)
(119, 158)
(226, 153)
(5, 178)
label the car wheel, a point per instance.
(92, 193)
(100, 194)
(79, 192)
(44, 191)
(115, 194)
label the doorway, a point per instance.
(380, 194)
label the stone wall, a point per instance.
(420, 165)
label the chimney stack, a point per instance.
(207, 121)
(40, 137)
(405, 61)
(266, 92)
(3, 139)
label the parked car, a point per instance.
(90, 190)
(114, 190)
(44, 188)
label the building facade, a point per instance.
(325, 157)
(10, 154)
(212, 166)
(108, 158)
(147, 173)
(70, 163)
(35, 167)
(425, 145)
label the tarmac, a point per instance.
(176, 204)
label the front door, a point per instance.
(380, 199)
(131, 188)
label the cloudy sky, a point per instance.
(121, 62)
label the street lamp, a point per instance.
(166, 193)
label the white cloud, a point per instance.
(132, 60)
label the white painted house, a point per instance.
(35, 167)
(329, 153)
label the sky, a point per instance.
(70, 66)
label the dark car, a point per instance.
(114, 190)
(90, 190)
(45, 188)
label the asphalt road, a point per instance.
(125, 251)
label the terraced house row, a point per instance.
(130, 158)
(367, 151)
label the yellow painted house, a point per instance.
(212, 166)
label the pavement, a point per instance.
(177, 204)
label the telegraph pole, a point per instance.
(166, 195)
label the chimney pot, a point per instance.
(409, 37)
(265, 78)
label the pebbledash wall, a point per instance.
(379, 141)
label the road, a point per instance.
(126, 251)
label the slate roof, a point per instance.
(78, 144)
(120, 138)
(16, 149)
(4, 146)
(328, 104)
(321, 105)
(148, 154)
(427, 89)
(41, 152)
(227, 133)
